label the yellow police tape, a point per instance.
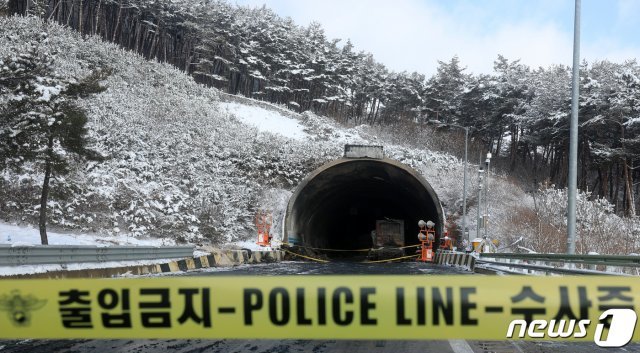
(364, 262)
(315, 307)
(326, 249)
(304, 256)
(351, 250)
(390, 260)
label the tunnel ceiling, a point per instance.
(338, 204)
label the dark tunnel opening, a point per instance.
(338, 205)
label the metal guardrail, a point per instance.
(545, 262)
(546, 269)
(607, 260)
(64, 254)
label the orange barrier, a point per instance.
(263, 224)
(446, 243)
(426, 237)
(426, 251)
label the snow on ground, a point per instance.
(267, 121)
(15, 235)
(20, 236)
(28, 269)
(251, 245)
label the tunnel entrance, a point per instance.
(338, 205)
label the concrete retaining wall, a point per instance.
(217, 258)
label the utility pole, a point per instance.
(573, 136)
(465, 232)
(485, 218)
(480, 220)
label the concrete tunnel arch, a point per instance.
(337, 205)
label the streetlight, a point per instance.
(480, 220)
(486, 196)
(465, 231)
(573, 136)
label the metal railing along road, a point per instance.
(64, 254)
(557, 263)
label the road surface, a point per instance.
(311, 346)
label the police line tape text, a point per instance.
(344, 307)
(316, 307)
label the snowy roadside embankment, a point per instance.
(20, 235)
(29, 236)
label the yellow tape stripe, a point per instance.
(390, 260)
(311, 307)
(409, 246)
(366, 262)
(305, 257)
(325, 249)
(352, 250)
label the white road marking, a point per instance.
(515, 344)
(460, 346)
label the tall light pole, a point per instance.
(485, 218)
(480, 220)
(573, 137)
(465, 232)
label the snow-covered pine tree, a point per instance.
(444, 91)
(39, 121)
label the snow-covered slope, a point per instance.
(178, 163)
(187, 163)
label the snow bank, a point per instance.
(20, 235)
(267, 120)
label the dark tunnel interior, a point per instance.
(337, 206)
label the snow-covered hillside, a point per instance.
(178, 163)
(187, 163)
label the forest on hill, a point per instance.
(518, 112)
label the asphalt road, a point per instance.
(312, 346)
(299, 346)
(332, 268)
